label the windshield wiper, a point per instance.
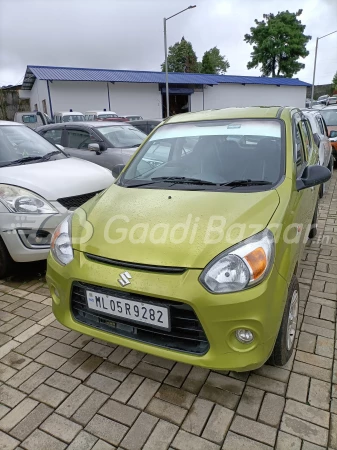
(23, 160)
(248, 182)
(185, 180)
(174, 180)
(49, 155)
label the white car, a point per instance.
(39, 186)
(96, 114)
(320, 133)
(68, 116)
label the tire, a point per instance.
(6, 262)
(313, 230)
(331, 164)
(321, 191)
(285, 341)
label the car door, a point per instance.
(310, 195)
(301, 206)
(77, 140)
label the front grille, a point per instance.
(77, 200)
(137, 266)
(186, 335)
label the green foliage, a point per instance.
(334, 81)
(278, 43)
(213, 62)
(181, 58)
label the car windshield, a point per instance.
(20, 143)
(330, 116)
(215, 152)
(73, 118)
(123, 136)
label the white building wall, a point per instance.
(144, 99)
(125, 98)
(79, 96)
(39, 92)
(196, 101)
(237, 95)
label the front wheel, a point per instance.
(285, 341)
(313, 229)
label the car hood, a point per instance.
(59, 178)
(169, 227)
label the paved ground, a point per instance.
(60, 389)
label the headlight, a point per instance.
(21, 200)
(61, 243)
(242, 266)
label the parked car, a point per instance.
(32, 119)
(68, 116)
(322, 141)
(331, 101)
(105, 143)
(322, 99)
(39, 185)
(94, 115)
(195, 259)
(329, 114)
(145, 125)
(133, 117)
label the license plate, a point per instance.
(155, 316)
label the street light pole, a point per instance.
(166, 64)
(314, 74)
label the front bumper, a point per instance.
(12, 229)
(259, 309)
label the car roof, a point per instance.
(69, 113)
(99, 112)
(330, 107)
(7, 122)
(142, 121)
(83, 124)
(253, 112)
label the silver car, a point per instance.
(322, 141)
(39, 186)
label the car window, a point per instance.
(29, 118)
(306, 136)
(330, 116)
(73, 118)
(215, 151)
(53, 136)
(122, 136)
(299, 150)
(80, 139)
(17, 142)
(319, 125)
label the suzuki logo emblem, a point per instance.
(124, 279)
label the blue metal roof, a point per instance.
(133, 76)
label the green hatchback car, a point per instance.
(192, 253)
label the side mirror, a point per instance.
(94, 148)
(313, 176)
(333, 134)
(60, 147)
(117, 170)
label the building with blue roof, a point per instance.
(53, 89)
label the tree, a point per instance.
(334, 81)
(181, 58)
(213, 62)
(278, 43)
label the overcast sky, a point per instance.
(128, 34)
